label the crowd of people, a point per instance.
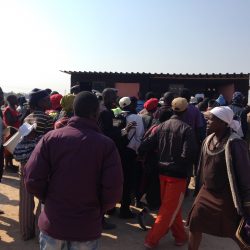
(89, 151)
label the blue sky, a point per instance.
(39, 38)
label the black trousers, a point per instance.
(129, 173)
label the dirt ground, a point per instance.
(127, 235)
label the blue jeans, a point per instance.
(49, 243)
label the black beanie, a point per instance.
(36, 95)
(85, 104)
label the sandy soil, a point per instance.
(128, 235)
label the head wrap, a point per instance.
(226, 114)
(238, 98)
(67, 102)
(36, 95)
(55, 101)
(151, 104)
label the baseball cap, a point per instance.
(124, 102)
(179, 104)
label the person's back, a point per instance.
(175, 155)
(151, 106)
(175, 142)
(72, 202)
(193, 117)
(78, 180)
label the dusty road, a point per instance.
(126, 236)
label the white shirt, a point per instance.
(135, 134)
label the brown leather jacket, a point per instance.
(176, 145)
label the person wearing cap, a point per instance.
(76, 171)
(151, 106)
(129, 155)
(148, 96)
(223, 179)
(175, 143)
(39, 102)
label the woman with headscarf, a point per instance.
(56, 107)
(223, 177)
(66, 112)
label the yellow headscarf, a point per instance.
(67, 102)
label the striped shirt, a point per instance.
(44, 122)
(24, 149)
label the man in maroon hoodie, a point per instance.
(76, 172)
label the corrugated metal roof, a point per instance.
(168, 76)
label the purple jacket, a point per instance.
(77, 172)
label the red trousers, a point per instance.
(169, 215)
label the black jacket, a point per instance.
(176, 145)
